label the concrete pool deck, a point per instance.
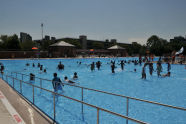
(16, 110)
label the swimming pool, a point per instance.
(169, 90)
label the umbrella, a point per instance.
(34, 48)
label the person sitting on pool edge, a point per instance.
(57, 83)
(75, 75)
(166, 75)
(67, 80)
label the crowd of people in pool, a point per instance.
(148, 62)
(56, 81)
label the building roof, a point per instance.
(115, 47)
(62, 43)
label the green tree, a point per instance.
(156, 45)
(135, 48)
(12, 43)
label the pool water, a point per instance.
(169, 90)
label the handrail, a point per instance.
(98, 108)
(137, 99)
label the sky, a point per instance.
(125, 20)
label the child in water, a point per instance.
(75, 75)
(68, 81)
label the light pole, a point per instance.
(42, 30)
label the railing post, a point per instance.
(40, 82)
(13, 81)
(127, 109)
(82, 103)
(82, 100)
(21, 86)
(6, 79)
(33, 93)
(2, 75)
(22, 77)
(97, 115)
(54, 107)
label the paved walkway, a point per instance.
(16, 110)
(8, 115)
(5, 116)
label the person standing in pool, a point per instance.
(92, 66)
(98, 64)
(57, 83)
(122, 64)
(60, 66)
(159, 69)
(2, 68)
(113, 67)
(168, 66)
(143, 73)
(151, 69)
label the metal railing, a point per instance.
(54, 97)
(104, 92)
(127, 97)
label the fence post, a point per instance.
(82, 103)
(97, 115)
(2, 75)
(13, 81)
(6, 79)
(54, 107)
(82, 100)
(22, 77)
(127, 111)
(40, 82)
(21, 86)
(33, 93)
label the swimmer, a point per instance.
(32, 77)
(38, 65)
(92, 66)
(113, 67)
(2, 68)
(166, 75)
(69, 81)
(60, 66)
(41, 67)
(143, 73)
(75, 75)
(57, 83)
(159, 69)
(44, 70)
(27, 64)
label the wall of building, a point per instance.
(22, 54)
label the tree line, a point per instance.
(154, 45)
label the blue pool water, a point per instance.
(168, 90)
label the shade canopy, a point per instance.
(115, 47)
(62, 43)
